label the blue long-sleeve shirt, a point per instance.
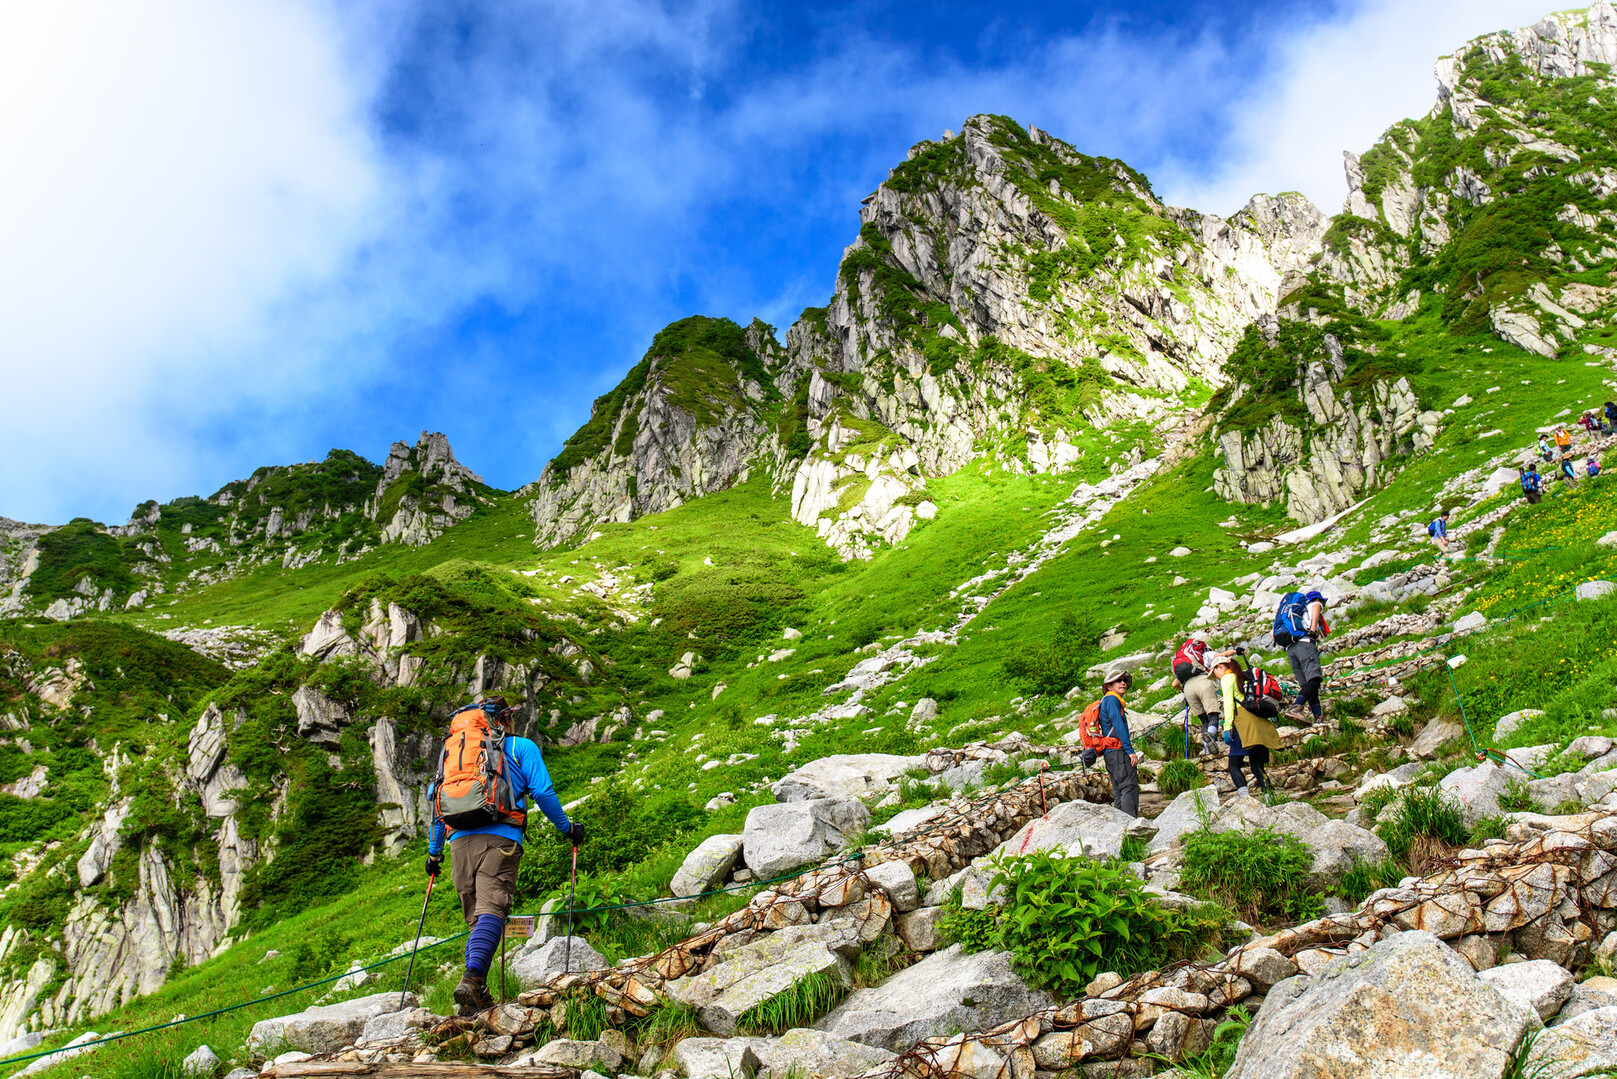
(530, 780)
(1114, 721)
(1440, 528)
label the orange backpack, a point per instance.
(1089, 736)
(472, 789)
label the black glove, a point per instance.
(575, 834)
(434, 861)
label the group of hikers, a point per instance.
(1234, 702)
(1559, 453)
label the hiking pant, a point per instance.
(1200, 694)
(1125, 782)
(1259, 756)
(484, 871)
(1534, 497)
(1307, 672)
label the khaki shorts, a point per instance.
(1202, 696)
(484, 871)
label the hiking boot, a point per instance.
(471, 995)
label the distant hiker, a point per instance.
(1544, 450)
(483, 777)
(1569, 473)
(1587, 421)
(1439, 531)
(1201, 695)
(1533, 485)
(1122, 762)
(1250, 705)
(1611, 414)
(1593, 467)
(1563, 441)
(1299, 624)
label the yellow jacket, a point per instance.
(1252, 730)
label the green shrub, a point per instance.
(1516, 798)
(1428, 825)
(1067, 919)
(1363, 877)
(1262, 875)
(1178, 776)
(1371, 805)
(1135, 848)
(802, 1004)
(1490, 827)
(1059, 666)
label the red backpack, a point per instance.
(472, 789)
(1193, 652)
(1089, 736)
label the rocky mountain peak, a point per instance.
(423, 491)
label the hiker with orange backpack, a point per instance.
(484, 776)
(1103, 730)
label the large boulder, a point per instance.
(1477, 789)
(946, 992)
(1078, 827)
(536, 964)
(1183, 816)
(1585, 1045)
(1540, 984)
(780, 838)
(1337, 845)
(1407, 1008)
(323, 1029)
(845, 775)
(753, 973)
(706, 867)
(716, 1058)
(814, 1054)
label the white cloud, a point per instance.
(169, 168)
(1337, 86)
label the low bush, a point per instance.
(1516, 798)
(1059, 666)
(1262, 875)
(1178, 776)
(802, 1004)
(1362, 878)
(1067, 919)
(1428, 826)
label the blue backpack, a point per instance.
(1431, 529)
(1289, 618)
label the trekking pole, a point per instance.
(567, 949)
(411, 968)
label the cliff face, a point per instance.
(1006, 296)
(690, 419)
(1481, 217)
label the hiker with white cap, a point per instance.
(1122, 763)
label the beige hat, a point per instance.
(1119, 676)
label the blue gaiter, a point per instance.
(484, 938)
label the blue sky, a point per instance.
(242, 233)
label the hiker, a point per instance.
(1563, 441)
(1587, 421)
(1533, 485)
(1544, 451)
(1122, 762)
(1201, 695)
(1250, 711)
(1439, 531)
(1611, 415)
(477, 797)
(1593, 467)
(1569, 473)
(1299, 624)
